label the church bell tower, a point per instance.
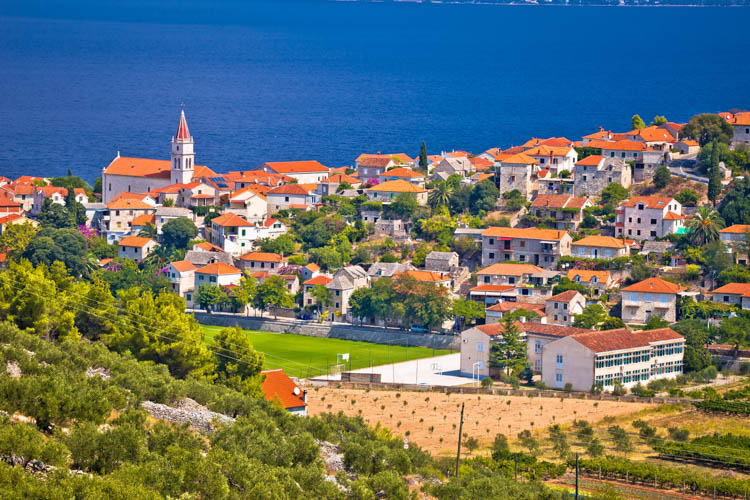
(182, 154)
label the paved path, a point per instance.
(437, 371)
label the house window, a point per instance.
(492, 255)
(522, 244)
(492, 241)
(538, 347)
(522, 258)
(480, 347)
(189, 296)
(584, 177)
(653, 222)
(512, 280)
(558, 378)
(486, 279)
(559, 361)
(213, 279)
(653, 233)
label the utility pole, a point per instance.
(577, 476)
(460, 429)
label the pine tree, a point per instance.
(423, 162)
(714, 175)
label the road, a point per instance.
(437, 371)
(677, 167)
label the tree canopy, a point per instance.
(707, 127)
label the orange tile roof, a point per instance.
(586, 276)
(736, 229)
(565, 296)
(649, 201)
(598, 135)
(397, 186)
(557, 142)
(673, 216)
(218, 268)
(208, 247)
(741, 118)
(532, 233)
(312, 266)
(503, 269)
(339, 178)
(129, 204)
(423, 276)
(295, 167)
(598, 143)
(263, 257)
(146, 167)
(492, 288)
(591, 161)
(600, 241)
(652, 134)
(295, 189)
(558, 201)
(277, 385)
(144, 219)
(690, 142)
(135, 241)
(375, 161)
(230, 220)
(50, 190)
(11, 218)
(734, 289)
(654, 285)
(532, 327)
(484, 177)
(625, 145)
(402, 172)
(520, 159)
(183, 266)
(318, 280)
(248, 189)
(620, 339)
(513, 150)
(269, 222)
(481, 163)
(512, 306)
(548, 151)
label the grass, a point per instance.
(304, 356)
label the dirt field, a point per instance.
(431, 419)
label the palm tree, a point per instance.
(440, 195)
(148, 231)
(704, 226)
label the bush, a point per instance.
(487, 382)
(688, 197)
(568, 387)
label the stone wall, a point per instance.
(337, 331)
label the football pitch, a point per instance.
(303, 356)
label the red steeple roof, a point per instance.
(182, 130)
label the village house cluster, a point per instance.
(556, 182)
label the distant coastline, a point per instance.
(573, 3)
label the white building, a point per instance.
(648, 217)
(310, 172)
(650, 297)
(181, 276)
(737, 294)
(135, 248)
(143, 175)
(603, 357)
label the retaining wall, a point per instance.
(336, 331)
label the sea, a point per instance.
(284, 80)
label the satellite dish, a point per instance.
(296, 391)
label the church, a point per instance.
(142, 175)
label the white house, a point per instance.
(135, 248)
(650, 297)
(603, 357)
(648, 217)
(309, 171)
(181, 276)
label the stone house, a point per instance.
(562, 308)
(453, 166)
(344, 282)
(119, 215)
(554, 158)
(737, 294)
(262, 261)
(387, 270)
(603, 357)
(517, 172)
(650, 297)
(735, 237)
(135, 248)
(181, 276)
(248, 204)
(389, 190)
(566, 210)
(599, 247)
(373, 166)
(441, 261)
(308, 289)
(648, 217)
(405, 174)
(593, 173)
(598, 282)
(302, 196)
(740, 122)
(540, 247)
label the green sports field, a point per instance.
(303, 356)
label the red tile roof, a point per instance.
(402, 172)
(218, 268)
(503, 269)
(146, 167)
(586, 276)
(649, 201)
(558, 201)
(295, 189)
(135, 241)
(591, 161)
(734, 289)
(565, 296)
(397, 186)
(600, 241)
(654, 285)
(512, 306)
(736, 229)
(262, 257)
(492, 288)
(617, 340)
(480, 163)
(295, 167)
(230, 220)
(129, 204)
(520, 159)
(423, 276)
(531, 233)
(318, 280)
(183, 265)
(625, 145)
(277, 385)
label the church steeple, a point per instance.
(182, 154)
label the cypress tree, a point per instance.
(423, 157)
(714, 175)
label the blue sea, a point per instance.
(289, 80)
